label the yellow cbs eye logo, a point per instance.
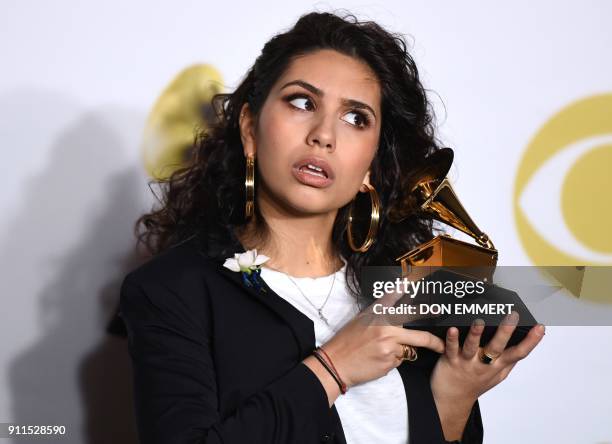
(562, 196)
(563, 189)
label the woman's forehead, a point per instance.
(335, 74)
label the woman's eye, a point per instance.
(301, 102)
(358, 119)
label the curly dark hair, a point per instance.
(206, 197)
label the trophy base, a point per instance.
(446, 251)
(439, 324)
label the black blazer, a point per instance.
(216, 361)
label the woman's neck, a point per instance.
(299, 246)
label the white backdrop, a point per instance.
(77, 81)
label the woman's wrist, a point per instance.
(327, 362)
(327, 380)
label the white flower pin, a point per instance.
(246, 262)
(249, 265)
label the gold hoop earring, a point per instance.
(249, 184)
(374, 218)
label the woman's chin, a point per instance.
(311, 207)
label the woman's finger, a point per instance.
(523, 348)
(497, 344)
(452, 343)
(472, 341)
(420, 338)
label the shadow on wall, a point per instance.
(70, 243)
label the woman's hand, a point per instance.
(460, 377)
(364, 350)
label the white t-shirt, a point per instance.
(375, 411)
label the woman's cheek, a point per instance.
(347, 188)
(278, 173)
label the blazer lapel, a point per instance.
(301, 325)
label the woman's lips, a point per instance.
(311, 178)
(317, 162)
(320, 174)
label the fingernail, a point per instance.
(478, 322)
(541, 329)
(512, 318)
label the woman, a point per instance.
(330, 108)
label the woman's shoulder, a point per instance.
(168, 290)
(180, 267)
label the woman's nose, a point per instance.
(323, 134)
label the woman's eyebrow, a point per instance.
(346, 102)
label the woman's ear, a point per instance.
(247, 133)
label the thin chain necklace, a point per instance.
(319, 309)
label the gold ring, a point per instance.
(487, 358)
(409, 353)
